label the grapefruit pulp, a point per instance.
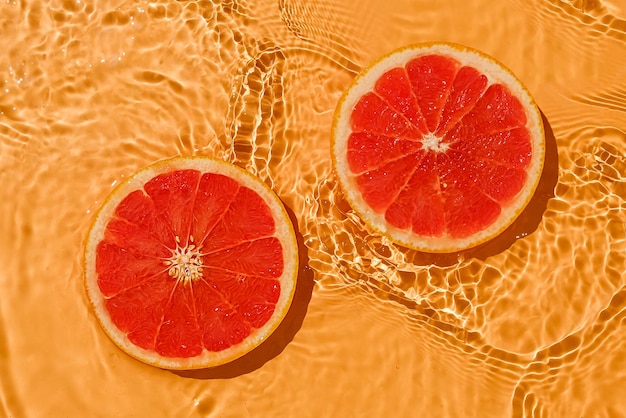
(191, 263)
(438, 146)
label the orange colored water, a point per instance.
(531, 325)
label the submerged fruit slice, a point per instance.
(437, 146)
(191, 263)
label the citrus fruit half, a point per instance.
(438, 146)
(191, 263)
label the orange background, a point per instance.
(531, 324)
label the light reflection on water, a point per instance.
(528, 325)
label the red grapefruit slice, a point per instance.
(438, 146)
(191, 263)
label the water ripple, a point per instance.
(531, 324)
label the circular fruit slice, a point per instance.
(437, 146)
(191, 263)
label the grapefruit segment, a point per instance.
(261, 257)
(179, 334)
(210, 310)
(500, 182)
(496, 111)
(419, 205)
(253, 297)
(213, 198)
(367, 151)
(394, 87)
(173, 193)
(381, 186)
(138, 209)
(512, 148)
(138, 311)
(467, 208)
(134, 239)
(190, 263)
(438, 146)
(432, 77)
(119, 269)
(246, 219)
(372, 114)
(468, 87)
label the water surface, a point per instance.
(530, 325)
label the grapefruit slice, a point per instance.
(191, 263)
(438, 146)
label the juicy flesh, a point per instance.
(189, 263)
(437, 149)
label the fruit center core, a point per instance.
(185, 263)
(430, 142)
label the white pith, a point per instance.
(430, 142)
(185, 263)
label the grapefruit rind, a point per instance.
(284, 231)
(364, 82)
